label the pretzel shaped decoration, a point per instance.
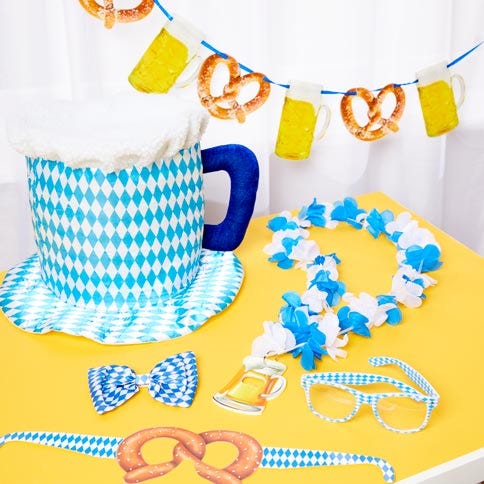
(192, 447)
(226, 105)
(110, 15)
(377, 127)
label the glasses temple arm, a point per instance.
(413, 374)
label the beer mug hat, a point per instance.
(115, 190)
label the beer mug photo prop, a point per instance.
(172, 50)
(259, 380)
(300, 113)
(436, 93)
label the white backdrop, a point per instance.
(54, 48)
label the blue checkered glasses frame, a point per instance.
(408, 410)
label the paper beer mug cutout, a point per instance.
(300, 113)
(436, 94)
(259, 380)
(172, 50)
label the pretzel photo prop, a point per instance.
(377, 127)
(111, 15)
(226, 106)
(192, 446)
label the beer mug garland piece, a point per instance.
(111, 15)
(226, 106)
(377, 126)
(302, 107)
(436, 94)
(116, 196)
(172, 50)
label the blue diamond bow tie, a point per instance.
(172, 381)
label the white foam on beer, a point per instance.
(111, 133)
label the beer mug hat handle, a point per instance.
(278, 388)
(243, 169)
(462, 88)
(327, 119)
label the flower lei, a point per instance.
(308, 326)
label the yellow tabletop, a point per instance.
(43, 378)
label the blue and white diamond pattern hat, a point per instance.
(119, 238)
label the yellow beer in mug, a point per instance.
(258, 380)
(437, 101)
(166, 58)
(302, 106)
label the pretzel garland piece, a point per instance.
(191, 446)
(226, 105)
(377, 127)
(110, 15)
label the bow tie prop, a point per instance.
(191, 446)
(172, 382)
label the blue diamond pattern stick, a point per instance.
(251, 455)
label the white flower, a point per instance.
(414, 235)
(329, 325)
(401, 223)
(406, 291)
(315, 299)
(304, 252)
(329, 265)
(293, 218)
(367, 306)
(276, 245)
(276, 340)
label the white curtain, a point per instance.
(54, 48)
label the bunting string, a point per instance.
(323, 91)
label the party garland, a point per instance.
(308, 326)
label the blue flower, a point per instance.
(282, 258)
(348, 211)
(333, 289)
(314, 213)
(423, 259)
(394, 313)
(376, 222)
(353, 321)
(319, 260)
(309, 339)
(281, 223)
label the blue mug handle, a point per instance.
(243, 169)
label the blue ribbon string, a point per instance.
(324, 91)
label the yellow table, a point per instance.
(44, 377)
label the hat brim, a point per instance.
(32, 306)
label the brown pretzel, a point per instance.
(190, 446)
(377, 127)
(226, 105)
(110, 15)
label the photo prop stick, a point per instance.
(110, 15)
(172, 382)
(192, 446)
(391, 409)
(226, 106)
(377, 126)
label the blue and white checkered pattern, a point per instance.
(272, 457)
(285, 458)
(172, 382)
(94, 445)
(31, 306)
(118, 240)
(341, 379)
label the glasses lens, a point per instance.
(332, 402)
(402, 413)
